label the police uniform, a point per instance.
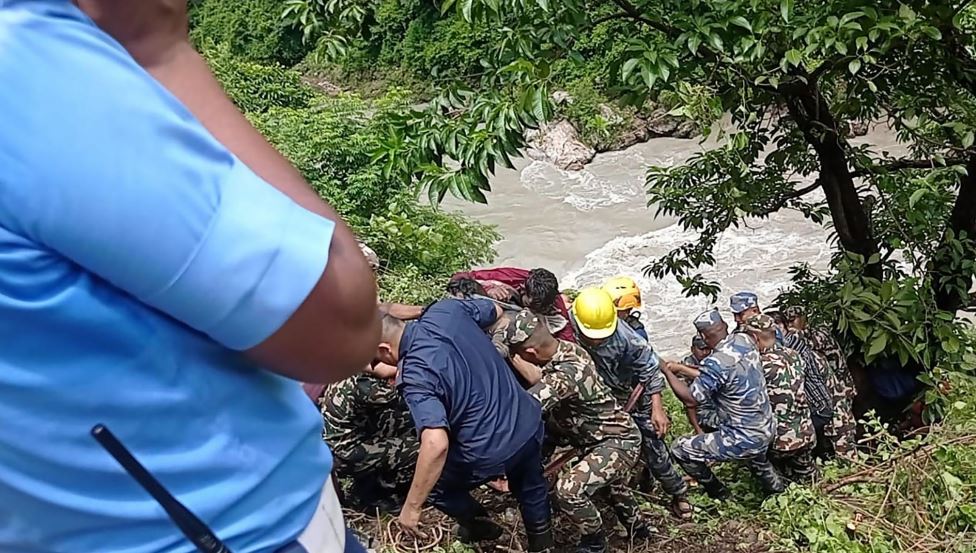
(370, 432)
(624, 360)
(732, 377)
(706, 412)
(842, 430)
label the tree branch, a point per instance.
(903, 164)
(635, 14)
(802, 192)
(611, 17)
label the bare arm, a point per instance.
(402, 311)
(334, 333)
(529, 371)
(680, 388)
(434, 443)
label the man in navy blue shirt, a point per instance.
(474, 420)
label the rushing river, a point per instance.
(588, 225)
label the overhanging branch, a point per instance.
(903, 164)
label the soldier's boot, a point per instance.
(767, 474)
(636, 528)
(540, 542)
(478, 529)
(706, 479)
(592, 543)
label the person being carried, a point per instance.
(627, 298)
(369, 428)
(732, 377)
(842, 430)
(536, 290)
(792, 449)
(704, 418)
(624, 360)
(474, 420)
(581, 409)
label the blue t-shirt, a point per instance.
(137, 258)
(452, 377)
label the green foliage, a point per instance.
(251, 29)
(330, 141)
(254, 87)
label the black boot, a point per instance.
(593, 543)
(715, 489)
(478, 529)
(540, 542)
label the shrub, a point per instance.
(252, 30)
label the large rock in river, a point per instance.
(559, 143)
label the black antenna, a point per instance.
(192, 527)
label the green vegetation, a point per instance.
(794, 77)
(330, 141)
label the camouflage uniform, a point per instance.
(792, 449)
(706, 412)
(732, 377)
(842, 429)
(370, 431)
(623, 360)
(582, 411)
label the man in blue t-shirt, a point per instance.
(165, 272)
(474, 420)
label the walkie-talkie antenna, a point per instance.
(192, 527)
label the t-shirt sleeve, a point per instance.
(420, 394)
(483, 312)
(120, 179)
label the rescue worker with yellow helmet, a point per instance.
(624, 359)
(626, 297)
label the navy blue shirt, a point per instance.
(452, 377)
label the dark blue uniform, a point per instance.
(452, 377)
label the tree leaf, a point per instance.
(794, 57)
(466, 6)
(628, 68)
(916, 196)
(854, 66)
(785, 9)
(878, 345)
(967, 139)
(741, 22)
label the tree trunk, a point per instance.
(950, 280)
(812, 115)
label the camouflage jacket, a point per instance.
(706, 411)
(732, 377)
(823, 342)
(784, 382)
(363, 407)
(578, 404)
(624, 360)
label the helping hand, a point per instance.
(409, 521)
(660, 421)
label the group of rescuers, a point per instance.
(485, 385)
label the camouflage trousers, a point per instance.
(842, 429)
(607, 466)
(694, 453)
(658, 458)
(390, 461)
(797, 465)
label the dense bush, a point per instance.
(251, 29)
(255, 87)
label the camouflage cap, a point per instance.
(794, 311)
(371, 258)
(760, 323)
(708, 319)
(699, 343)
(522, 326)
(741, 301)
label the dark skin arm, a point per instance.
(680, 389)
(402, 311)
(155, 34)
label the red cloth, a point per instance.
(314, 391)
(514, 277)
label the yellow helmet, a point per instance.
(624, 292)
(595, 314)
